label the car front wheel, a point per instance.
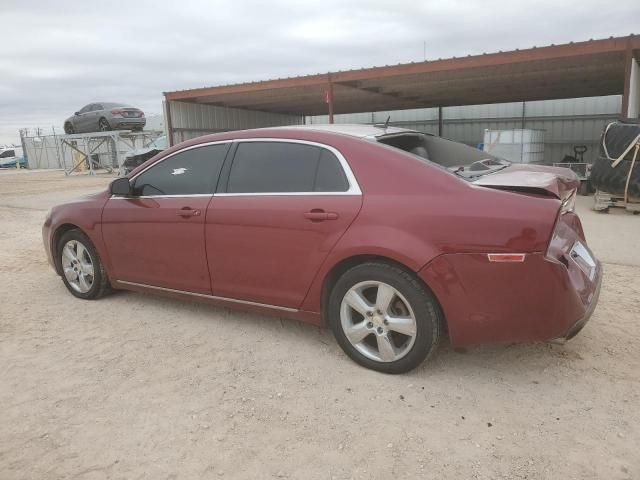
(82, 271)
(384, 318)
(103, 125)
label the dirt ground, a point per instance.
(140, 387)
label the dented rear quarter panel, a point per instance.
(418, 212)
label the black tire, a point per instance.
(429, 322)
(613, 180)
(100, 285)
(103, 125)
(68, 129)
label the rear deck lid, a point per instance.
(556, 181)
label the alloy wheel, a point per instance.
(378, 321)
(77, 266)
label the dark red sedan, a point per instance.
(390, 236)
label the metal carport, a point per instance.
(582, 69)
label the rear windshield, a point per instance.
(456, 157)
(114, 105)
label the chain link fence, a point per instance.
(46, 149)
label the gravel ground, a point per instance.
(140, 387)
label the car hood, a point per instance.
(556, 181)
(97, 197)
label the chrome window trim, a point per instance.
(354, 187)
(191, 195)
(199, 145)
(212, 297)
(286, 194)
(113, 197)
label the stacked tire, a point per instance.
(606, 178)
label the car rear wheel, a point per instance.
(103, 125)
(82, 271)
(68, 128)
(384, 318)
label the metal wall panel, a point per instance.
(190, 120)
(568, 122)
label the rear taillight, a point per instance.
(568, 202)
(559, 244)
(117, 111)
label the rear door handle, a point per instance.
(318, 215)
(188, 212)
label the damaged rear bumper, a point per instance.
(579, 325)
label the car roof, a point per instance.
(353, 130)
(112, 104)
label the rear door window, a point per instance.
(285, 167)
(190, 172)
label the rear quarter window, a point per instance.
(330, 176)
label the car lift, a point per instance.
(115, 144)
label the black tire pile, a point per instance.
(613, 180)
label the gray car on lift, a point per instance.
(105, 116)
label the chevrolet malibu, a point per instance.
(391, 237)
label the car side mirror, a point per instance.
(76, 113)
(121, 186)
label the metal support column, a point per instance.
(440, 129)
(24, 150)
(628, 63)
(330, 97)
(167, 114)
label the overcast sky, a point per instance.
(56, 56)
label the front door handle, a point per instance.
(319, 215)
(188, 212)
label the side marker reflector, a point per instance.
(506, 257)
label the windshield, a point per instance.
(458, 158)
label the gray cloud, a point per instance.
(57, 56)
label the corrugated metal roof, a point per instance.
(581, 69)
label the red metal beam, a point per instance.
(591, 47)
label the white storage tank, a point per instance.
(518, 146)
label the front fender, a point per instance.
(85, 214)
